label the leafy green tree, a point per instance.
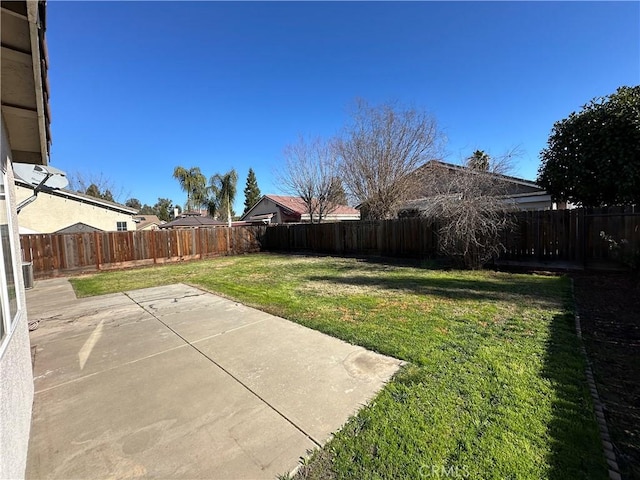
(251, 191)
(223, 189)
(107, 195)
(146, 210)
(134, 203)
(593, 156)
(193, 183)
(163, 209)
(93, 191)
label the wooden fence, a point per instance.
(574, 235)
(559, 235)
(408, 237)
(58, 254)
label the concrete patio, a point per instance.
(174, 382)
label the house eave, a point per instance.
(25, 89)
(78, 197)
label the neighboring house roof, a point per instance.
(79, 227)
(192, 221)
(25, 85)
(297, 205)
(292, 208)
(525, 194)
(524, 201)
(507, 178)
(144, 221)
(83, 198)
(196, 213)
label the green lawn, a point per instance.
(495, 387)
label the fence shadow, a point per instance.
(575, 450)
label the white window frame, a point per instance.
(9, 321)
(124, 224)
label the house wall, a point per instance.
(49, 213)
(331, 217)
(535, 201)
(16, 378)
(339, 217)
(151, 226)
(266, 206)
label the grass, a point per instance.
(495, 386)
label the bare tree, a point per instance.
(470, 206)
(96, 185)
(380, 149)
(310, 171)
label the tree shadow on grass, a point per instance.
(576, 450)
(516, 290)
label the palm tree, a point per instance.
(479, 160)
(193, 182)
(223, 189)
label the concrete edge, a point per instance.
(302, 460)
(291, 474)
(598, 407)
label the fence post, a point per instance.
(153, 246)
(582, 221)
(98, 254)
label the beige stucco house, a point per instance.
(55, 210)
(25, 138)
(147, 222)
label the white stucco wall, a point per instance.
(50, 213)
(16, 378)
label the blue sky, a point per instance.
(138, 88)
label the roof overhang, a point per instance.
(24, 82)
(82, 198)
